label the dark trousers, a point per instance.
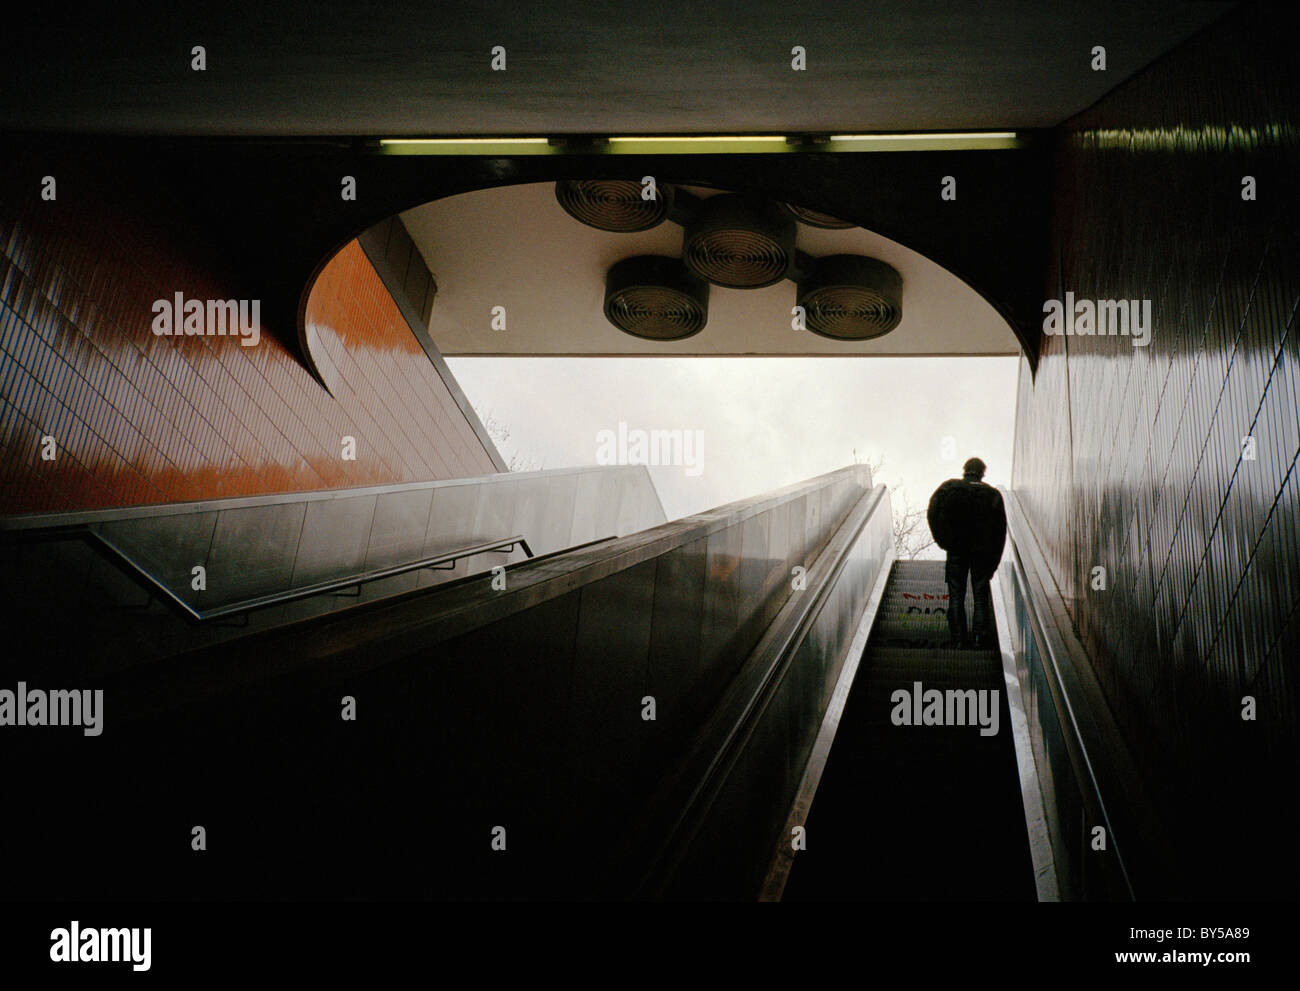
(955, 571)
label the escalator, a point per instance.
(645, 715)
(918, 812)
(623, 718)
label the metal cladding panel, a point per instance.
(800, 533)
(734, 845)
(607, 509)
(452, 519)
(586, 510)
(495, 509)
(609, 680)
(168, 547)
(638, 501)
(253, 552)
(1170, 465)
(780, 545)
(669, 627)
(269, 545)
(521, 707)
(561, 504)
(335, 538)
(722, 596)
(677, 630)
(494, 513)
(544, 533)
(401, 523)
(756, 569)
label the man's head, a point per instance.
(973, 469)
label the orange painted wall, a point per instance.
(140, 418)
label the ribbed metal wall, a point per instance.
(1132, 458)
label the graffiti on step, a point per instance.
(925, 604)
(920, 623)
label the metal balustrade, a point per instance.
(259, 552)
(1087, 776)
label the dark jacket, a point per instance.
(967, 518)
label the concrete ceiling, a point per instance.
(514, 246)
(407, 67)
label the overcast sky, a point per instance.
(765, 422)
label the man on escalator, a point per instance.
(968, 521)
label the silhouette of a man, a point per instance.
(968, 521)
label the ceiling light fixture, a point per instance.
(654, 297)
(468, 146)
(954, 141)
(697, 144)
(851, 297)
(617, 205)
(815, 218)
(740, 242)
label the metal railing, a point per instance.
(266, 550)
(157, 589)
(446, 561)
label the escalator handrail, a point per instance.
(738, 712)
(111, 550)
(1101, 760)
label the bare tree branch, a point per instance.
(500, 435)
(911, 531)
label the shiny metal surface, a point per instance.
(254, 551)
(720, 650)
(1138, 459)
(254, 547)
(523, 706)
(334, 539)
(1037, 830)
(1087, 778)
(783, 856)
(397, 514)
(609, 674)
(676, 635)
(758, 743)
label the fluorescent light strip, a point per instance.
(463, 141)
(467, 146)
(687, 139)
(936, 136)
(959, 141)
(728, 144)
(705, 144)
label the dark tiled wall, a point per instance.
(141, 418)
(1132, 458)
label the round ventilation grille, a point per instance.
(612, 204)
(739, 243)
(655, 298)
(852, 298)
(814, 219)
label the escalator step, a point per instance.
(916, 812)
